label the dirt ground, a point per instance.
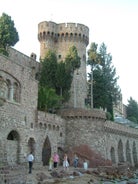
(41, 175)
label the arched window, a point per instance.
(13, 135)
(112, 152)
(120, 152)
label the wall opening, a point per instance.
(13, 148)
(46, 152)
(112, 152)
(128, 152)
(120, 152)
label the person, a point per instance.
(76, 160)
(65, 162)
(55, 160)
(50, 163)
(85, 165)
(30, 159)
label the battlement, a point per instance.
(79, 113)
(121, 129)
(62, 31)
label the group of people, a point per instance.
(54, 161)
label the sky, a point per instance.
(114, 22)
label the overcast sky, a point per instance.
(114, 22)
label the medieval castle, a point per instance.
(24, 128)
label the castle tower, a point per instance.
(59, 38)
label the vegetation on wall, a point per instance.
(8, 33)
(106, 92)
(56, 78)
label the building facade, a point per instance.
(23, 128)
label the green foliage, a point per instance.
(106, 92)
(48, 70)
(63, 81)
(4, 51)
(72, 59)
(133, 119)
(8, 34)
(108, 116)
(57, 77)
(48, 99)
(93, 55)
(132, 110)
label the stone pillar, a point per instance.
(11, 93)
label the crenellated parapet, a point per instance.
(120, 129)
(79, 113)
(63, 31)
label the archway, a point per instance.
(128, 152)
(13, 148)
(46, 151)
(112, 152)
(120, 152)
(31, 145)
(61, 155)
(135, 159)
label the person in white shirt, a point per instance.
(30, 159)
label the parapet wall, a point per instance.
(63, 30)
(21, 59)
(79, 113)
(120, 129)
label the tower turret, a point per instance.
(60, 37)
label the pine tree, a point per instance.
(132, 110)
(8, 33)
(106, 92)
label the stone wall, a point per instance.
(23, 128)
(113, 141)
(17, 117)
(22, 125)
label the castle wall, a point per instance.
(17, 117)
(113, 141)
(23, 128)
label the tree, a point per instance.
(132, 110)
(48, 100)
(72, 63)
(93, 60)
(63, 81)
(56, 78)
(72, 59)
(8, 33)
(47, 97)
(48, 70)
(106, 92)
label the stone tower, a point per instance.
(60, 37)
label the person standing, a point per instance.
(50, 163)
(85, 165)
(30, 159)
(65, 162)
(75, 161)
(55, 160)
